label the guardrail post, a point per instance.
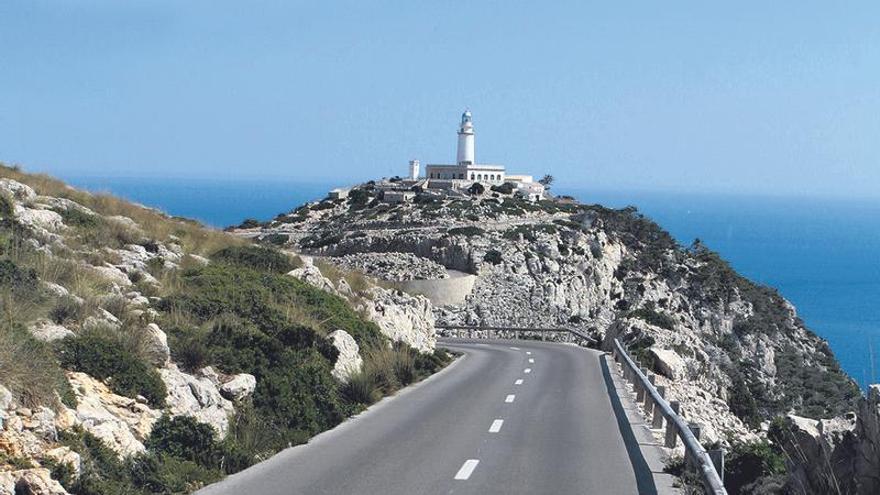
(671, 434)
(689, 459)
(717, 456)
(470, 333)
(543, 335)
(516, 334)
(642, 391)
(657, 422)
(649, 402)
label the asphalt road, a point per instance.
(509, 417)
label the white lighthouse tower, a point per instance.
(466, 140)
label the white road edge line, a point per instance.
(467, 469)
(496, 426)
(518, 381)
(515, 348)
(509, 398)
(527, 370)
(531, 360)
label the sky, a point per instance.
(777, 98)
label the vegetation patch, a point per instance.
(102, 353)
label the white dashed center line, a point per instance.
(527, 370)
(496, 426)
(529, 353)
(515, 348)
(509, 398)
(518, 382)
(531, 360)
(467, 469)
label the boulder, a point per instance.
(36, 481)
(349, 361)
(17, 190)
(669, 363)
(311, 275)
(196, 397)
(44, 220)
(48, 331)
(239, 387)
(156, 343)
(113, 274)
(403, 317)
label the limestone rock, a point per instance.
(349, 361)
(403, 317)
(121, 423)
(48, 331)
(196, 397)
(36, 481)
(18, 191)
(311, 275)
(156, 342)
(669, 363)
(239, 387)
(44, 220)
(113, 274)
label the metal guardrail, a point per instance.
(515, 332)
(653, 399)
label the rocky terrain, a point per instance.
(141, 353)
(735, 354)
(392, 266)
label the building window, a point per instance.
(479, 176)
(472, 176)
(461, 176)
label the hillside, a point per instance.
(142, 353)
(734, 353)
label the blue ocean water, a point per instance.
(822, 254)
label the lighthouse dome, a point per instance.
(466, 117)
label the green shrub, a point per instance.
(102, 354)
(256, 257)
(186, 438)
(160, 473)
(75, 217)
(102, 472)
(361, 388)
(466, 231)
(493, 256)
(506, 188)
(748, 466)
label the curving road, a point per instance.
(509, 417)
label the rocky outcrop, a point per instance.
(838, 455)
(349, 361)
(403, 317)
(121, 423)
(198, 397)
(311, 274)
(239, 387)
(30, 482)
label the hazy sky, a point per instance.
(765, 97)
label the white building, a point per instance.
(466, 168)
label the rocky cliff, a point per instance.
(141, 353)
(734, 353)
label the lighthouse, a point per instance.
(466, 140)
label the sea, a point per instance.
(822, 254)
